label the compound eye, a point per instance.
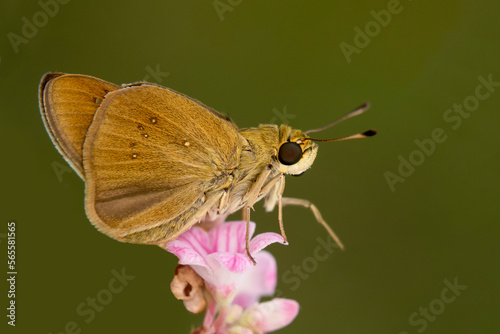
(290, 153)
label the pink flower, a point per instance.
(268, 316)
(231, 284)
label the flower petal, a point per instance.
(230, 237)
(233, 262)
(186, 253)
(220, 281)
(272, 315)
(258, 281)
(240, 330)
(219, 257)
(198, 239)
(263, 240)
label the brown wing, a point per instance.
(150, 156)
(68, 103)
(207, 108)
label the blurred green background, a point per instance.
(406, 232)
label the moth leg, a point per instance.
(281, 189)
(247, 234)
(274, 192)
(244, 214)
(307, 204)
(269, 187)
(224, 200)
(249, 199)
(274, 189)
(251, 196)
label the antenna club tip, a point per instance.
(370, 133)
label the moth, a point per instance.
(155, 162)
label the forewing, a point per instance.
(150, 155)
(207, 108)
(68, 103)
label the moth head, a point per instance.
(297, 151)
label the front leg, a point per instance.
(249, 199)
(274, 190)
(307, 204)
